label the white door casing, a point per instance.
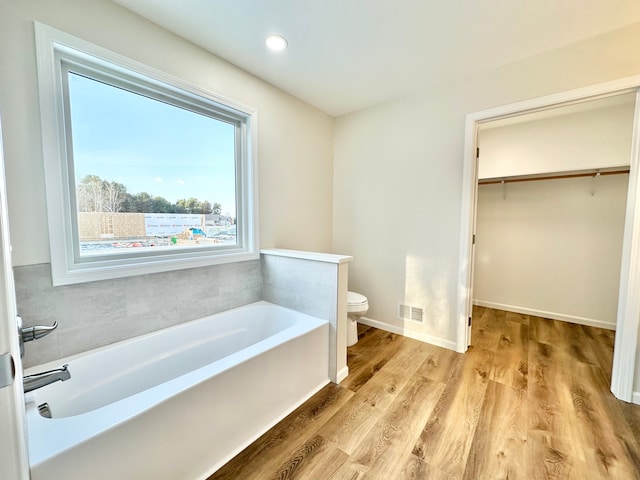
(13, 448)
(625, 349)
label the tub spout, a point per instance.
(39, 380)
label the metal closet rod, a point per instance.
(531, 178)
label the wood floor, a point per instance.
(529, 400)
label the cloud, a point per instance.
(180, 182)
(159, 179)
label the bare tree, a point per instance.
(89, 194)
(113, 194)
(97, 195)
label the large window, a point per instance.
(144, 172)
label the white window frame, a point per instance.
(67, 267)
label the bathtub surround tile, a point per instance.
(83, 305)
(40, 303)
(316, 285)
(36, 300)
(47, 349)
(318, 306)
(302, 285)
(76, 340)
(242, 284)
(175, 298)
(82, 339)
(299, 276)
(95, 314)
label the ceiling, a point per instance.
(346, 55)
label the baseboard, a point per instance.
(416, 335)
(635, 398)
(342, 374)
(591, 322)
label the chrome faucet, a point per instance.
(28, 334)
(39, 380)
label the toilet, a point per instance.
(357, 306)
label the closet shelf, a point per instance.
(555, 175)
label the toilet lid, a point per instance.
(354, 298)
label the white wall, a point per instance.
(294, 144)
(597, 138)
(397, 202)
(551, 248)
(398, 174)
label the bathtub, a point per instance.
(177, 403)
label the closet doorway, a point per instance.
(628, 298)
(551, 202)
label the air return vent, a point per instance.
(410, 313)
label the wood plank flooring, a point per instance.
(529, 400)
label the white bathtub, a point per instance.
(180, 402)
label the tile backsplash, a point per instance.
(95, 314)
(302, 285)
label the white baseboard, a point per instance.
(342, 374)
(635, 398)
(592, 322)
(416, 335)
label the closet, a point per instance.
(552, 189)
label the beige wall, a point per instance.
(595, 138)
(294, 139)
(398, 175)
(552, 249)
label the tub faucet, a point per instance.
(39, 380)
(28, 334)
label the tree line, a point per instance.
(97, 195)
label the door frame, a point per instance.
(13, 442)
(624, 355)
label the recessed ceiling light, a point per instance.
(276, 42)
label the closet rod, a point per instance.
(548, 177)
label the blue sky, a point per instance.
(150, 146)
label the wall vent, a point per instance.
(410, 313)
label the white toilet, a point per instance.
(357, 306)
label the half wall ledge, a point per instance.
(313, 283)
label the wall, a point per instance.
(596, 138)
(398, 175)
(95, 314)
(295, 177)
(551, 248)
(294, 140)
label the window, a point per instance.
(144, 172)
